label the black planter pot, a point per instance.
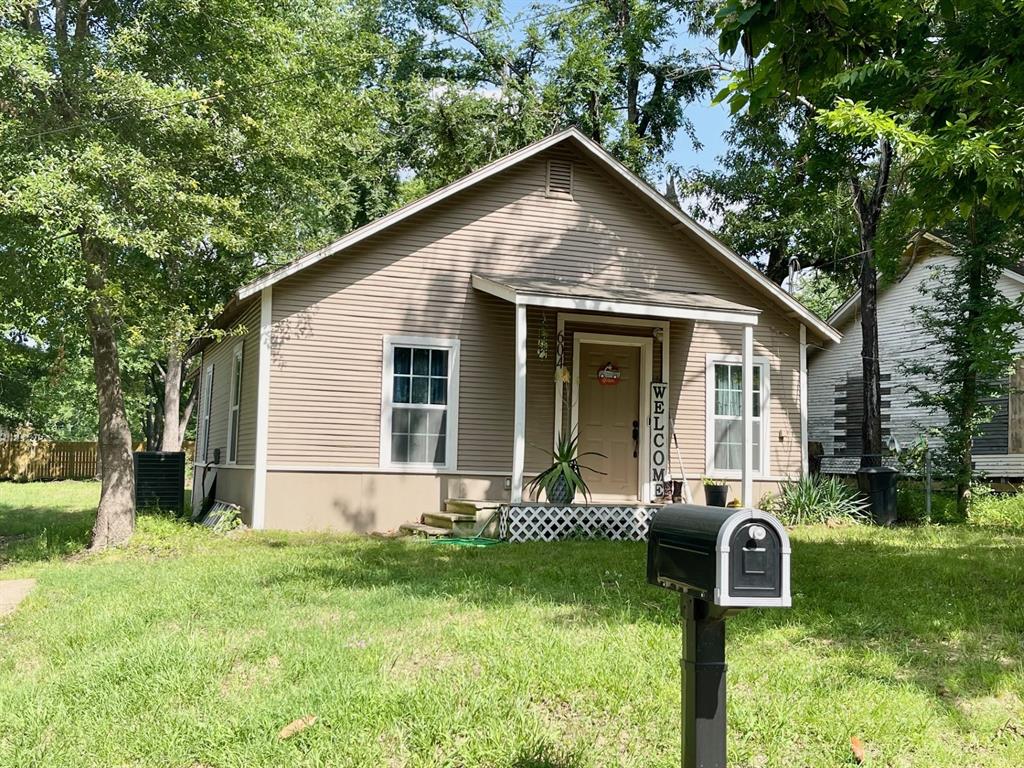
(716, 495)
(560, 492)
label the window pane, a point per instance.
(403, 360)
(417, 421)
(233, 439)
(439, 362)
(236, 396)
(400, 448)
(418, 448)
(439, 450)
(421, 362)
(728, 444)
(436, 422)
(399, 420)
(420, 389)
(757, 392)
(439, 391)
(401, 389)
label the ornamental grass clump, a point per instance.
(818, 499)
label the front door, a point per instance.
(609, 418)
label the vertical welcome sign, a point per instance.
(659, 438)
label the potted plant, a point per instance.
(716, 492)
(564, 477)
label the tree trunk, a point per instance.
(869, 213)
(173, 373)
(871, 425)
(115, 517)
(963, 479)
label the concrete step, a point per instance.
(419, 529)
(470, 506)
(450, 520)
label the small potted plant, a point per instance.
(716, 492)
(564, 478)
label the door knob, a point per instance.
(636, 438)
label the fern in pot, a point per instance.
(564, 478)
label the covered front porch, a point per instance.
(608, 364)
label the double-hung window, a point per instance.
(235, 404)
(725, 414)
(204, 421)
(419, 402)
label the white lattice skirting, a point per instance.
(552, 522)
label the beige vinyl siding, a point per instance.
(221, 356)
(414, 279)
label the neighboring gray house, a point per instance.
(835, 384)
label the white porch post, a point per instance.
(748, 416)
(519, 426)
(803, 400)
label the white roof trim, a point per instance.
(584, 304)
(849, 307)
(598, 153)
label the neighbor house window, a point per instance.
(419, 398)
(725, 414)
(236, 402)
(204, 417)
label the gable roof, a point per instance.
(595, 152)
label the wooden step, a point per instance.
(470, 506)
(449, 520)
(419, 529)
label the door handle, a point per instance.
(636, 439)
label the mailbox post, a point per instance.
(720, 561)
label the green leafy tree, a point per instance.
(779, 195)
(153, 154)
(972, 328)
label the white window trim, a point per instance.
(206, 394)
(709, 416)
(234, 409)
(386, 395)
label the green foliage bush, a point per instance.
(996, 510)
(817, 499)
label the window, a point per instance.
(725, 414)
(236, 401)
(419, 414)
(204, 421)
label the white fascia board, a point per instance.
(582, 304)
(646, 310)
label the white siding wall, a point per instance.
(901, 340)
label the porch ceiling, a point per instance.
(617, 300)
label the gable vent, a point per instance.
(559, 178)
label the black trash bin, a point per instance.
(878, 484)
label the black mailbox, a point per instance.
(732, 558)
(719, 561)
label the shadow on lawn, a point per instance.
(42, 532)
(951, 616)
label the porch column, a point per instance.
(519, 425)
(748, 416)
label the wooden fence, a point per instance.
(26, 460)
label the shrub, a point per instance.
(910, 504)
(997, 510)
(817, 499)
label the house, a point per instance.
(437, 353)
(836, 384)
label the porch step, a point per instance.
(470, 506)
(420, 529)
(449, 520)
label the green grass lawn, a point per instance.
(192, 649)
